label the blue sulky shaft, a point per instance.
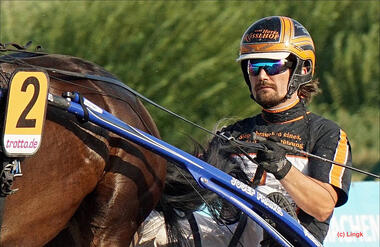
(239, 194)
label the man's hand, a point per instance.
(273, 159)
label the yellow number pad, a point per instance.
(25, 113)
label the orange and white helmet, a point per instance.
(279, 37)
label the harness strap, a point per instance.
(85, 110)
(80, 99)
(195, 230)
(258, 175)
(239, 230)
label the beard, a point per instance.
(269, 99)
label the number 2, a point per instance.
(23, 122)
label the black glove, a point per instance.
(273, 159)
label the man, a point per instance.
(278, 60)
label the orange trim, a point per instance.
(283, 109)
(277, 47)
(288, 28)
(303, 39)
(282, 30)
(293, 120)
(262, 180)
(292, 29)
(289, 121)
(341, 152)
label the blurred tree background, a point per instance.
(182, 54)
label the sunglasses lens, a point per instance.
(253, 70)
(271, 67)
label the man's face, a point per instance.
(269, 90)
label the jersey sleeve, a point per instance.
(332, 144)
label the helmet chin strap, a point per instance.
(298, 78)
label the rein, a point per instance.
(234, 143)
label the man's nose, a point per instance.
(262, 74)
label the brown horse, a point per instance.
(85, 182)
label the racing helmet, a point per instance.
(279, 37)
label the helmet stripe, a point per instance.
(282, 30)
(303, 41)
(288, 30)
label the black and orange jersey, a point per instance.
(297, 127)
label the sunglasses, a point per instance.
(271, 67)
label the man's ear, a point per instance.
(304, 70)
(306, 67)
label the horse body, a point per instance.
(87, 181)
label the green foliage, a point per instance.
(182, 54)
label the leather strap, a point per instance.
(239, 230)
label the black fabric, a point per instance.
(317, 228)
(306, 131)
(284, 116)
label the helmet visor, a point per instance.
(271, 67)
(264, 55)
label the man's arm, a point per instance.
(316, 198)
(313, 196)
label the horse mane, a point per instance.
(182, 194)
